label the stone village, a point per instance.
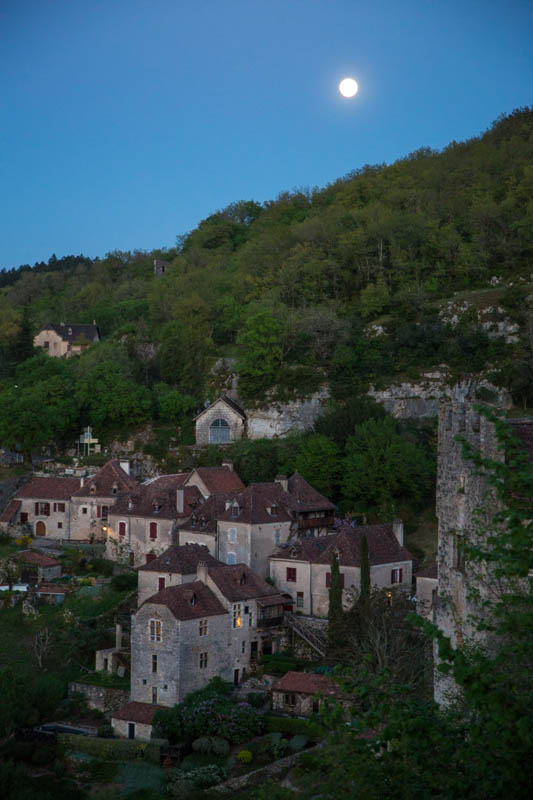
(228, 573)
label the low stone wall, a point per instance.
(100, 697)
(263, 774)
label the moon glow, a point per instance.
(348, 87)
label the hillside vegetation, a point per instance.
(347, 284)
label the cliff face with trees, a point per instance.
(346, 284)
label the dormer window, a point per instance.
(242, 579)
(235, 510)
(193, 599)
(203, 522)
(130, 505)
(92, 490)
(114, 489)
(194, 519)
(274, 510)
(156, 507)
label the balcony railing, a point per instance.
(315, 522)
(270, 622)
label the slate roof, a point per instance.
(110, 475)
(136, 712)
(383, 547)
(204, 518)
(159, 499)
(49, 488)
(39, 559)
(431, 571)
(238, 582)
(307, 683)
(188, 601)
(229, 402)
(304, 497)
(219, 479)
(259, 503)
(181, 560)
(71, 332)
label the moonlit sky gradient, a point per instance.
(123, 123)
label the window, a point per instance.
(154, 663)
(122, 529)
(84, 510)
(235, 510)
(232, 558)
(396, 576)
(289, 699)
(153, 530)
(237, 615)
(23, 517)
(203, 627)
(232, 534)
(299, 599)
(61, 507)
(46, 345)
(160, 584)
(203, 660)
(59, 524)
(328, 579)
(156, 630)
(291, 574)
(42, 509)
(104, 512)
(219, 432)
(243, 647)
(92, 490)
(277, 536)
(154, 694)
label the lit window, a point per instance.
(156, 629)
(237, 615)
(203, 627)
(203, 660)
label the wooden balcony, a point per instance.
(315, 522)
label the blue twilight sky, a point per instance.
(123, 123)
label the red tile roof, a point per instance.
(218, 479)
(10, 511)
(307, 683)
(260, 503)
(136, 712)
(51, 588)
(158, 500)
(39, 559)
(238, 582)
(188, 601)
(49, 488)
(182, 560)
(111, 476)
(383, 547)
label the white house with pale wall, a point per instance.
(64, 340)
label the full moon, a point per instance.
(348, 87)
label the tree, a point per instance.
(42, 645)
(318, 460)
(260, 355)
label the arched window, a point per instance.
(219, 432)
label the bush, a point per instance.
(113, 749)
(293, 726)
(244, 756)
(106, 731)
(211, 744)
(124, 582)
(256, 699)
(202, 745)
(298, 742)
(201, 777)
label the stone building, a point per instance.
(302, 694)
(175, 566)
(37, 567)
(92, 500)
(141, 524)
(222, 422)
(134, 721)
(44, 504)
(461, 492)
(214, 480)
(217, 625)
(65, 340)
(302, 568)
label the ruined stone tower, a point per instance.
(460, 491)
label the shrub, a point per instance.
(256, 699)
(113, 749)
(219, 746)
(216, 716)
(201, 777)
(298, 742)
(202, 745)
(43, 754)
(293, 726)
(105, 731)
(244, 756)
(23, 541)
(124, 582)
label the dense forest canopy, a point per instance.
(344, 285)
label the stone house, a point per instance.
(37, 567)
(461, 491)
(93, 499)
(426, 591)
(51, 593)
(216, 625)
(214, 480)
(302, 568)
(302, 694)
(175, 566)
(222, 422)
(134, 721)
(141, 524)
(246, 526)
(63, 341)
(44, 505)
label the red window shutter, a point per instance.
(98, 511)
(161, 583)
(153, 530)
(36, 508)
(121, 528)
(47, 509)
(342, 580)
(328, 579)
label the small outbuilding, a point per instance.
(134, 721)
(304, 693)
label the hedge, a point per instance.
(293, 726)
(113, 749)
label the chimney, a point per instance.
(201, 572)
(282, 479)
(82, 481)
(228, 463)
(397, 529)
(118, 636)
(180, 503)
(125, 465)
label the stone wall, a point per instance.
(100, 697)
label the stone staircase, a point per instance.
(312, 630)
